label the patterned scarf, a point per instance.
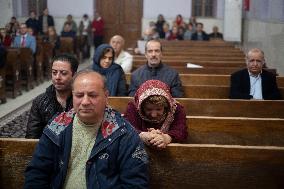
(158, 88)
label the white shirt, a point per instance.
(255, 86)
(85, 24)
(125, 60)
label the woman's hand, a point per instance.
(161, 140)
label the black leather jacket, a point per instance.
(44, 107)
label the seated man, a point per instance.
(156, 115)
(91, 146)
(25, 39)
(199, 35)
(67, 31)
(57, 97)
(216, 34)
(254, 82)
(155, 69)
(123, 58)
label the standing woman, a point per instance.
(156, 115)
(104, 64)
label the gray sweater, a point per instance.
(163, 73)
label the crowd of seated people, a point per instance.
(179, 30)
(42, 28)
(154, 113)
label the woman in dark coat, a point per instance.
(103, 63)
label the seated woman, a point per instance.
(53, 39)
(104, 64)
(6, 39)
(156, 115)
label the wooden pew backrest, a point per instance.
(219, 107)
(235, 131)
(179, 166)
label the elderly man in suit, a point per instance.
(25, 39)
(254, 82)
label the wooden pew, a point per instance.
(47, 56)
(39, 59)
(189, 43)
(3, 85)
(203, 63)
(27, 75)
(179, 166)
(13, 69)
(235, 131)
(208, 79)
(185, 52)
(198, 166)
(219, 107)
(66, 45)
(210, 91)
(197, 58)
(208, 70)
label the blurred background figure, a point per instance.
(179, 21)
(13, 27)
(32, 22)
(200, 35)
(45, 20)
(123, 58)
(53, 38)
(215, 34)
(98, 30)
(85, 33)
(188, 32)
(6, 38)
(71, 22)
(159, 25)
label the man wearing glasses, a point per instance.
(24, 40)
(254, 82)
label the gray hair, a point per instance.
(255, 50)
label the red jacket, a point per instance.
(98, 25)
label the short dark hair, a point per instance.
(67, 58)
(154, 40)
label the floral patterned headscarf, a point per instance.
(156, 88)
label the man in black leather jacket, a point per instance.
(57, 97)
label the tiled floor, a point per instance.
(13, 104)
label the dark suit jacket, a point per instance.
(205, 36)
(50, 22)
(240, 86)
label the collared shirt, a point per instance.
(24, 37)
(255, 86)
(125, 59)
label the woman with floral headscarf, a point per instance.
(156, 115)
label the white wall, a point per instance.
(64, 7)
(6, 12)
(60, 9)
(269, 37)
(264, 28)
(169, 8)
(233, 20)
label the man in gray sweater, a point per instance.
(155, 69)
